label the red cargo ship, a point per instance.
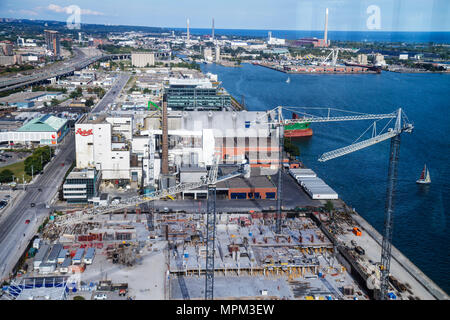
(296, 130)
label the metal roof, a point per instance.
(46, 123)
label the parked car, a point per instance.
(100, 296)
(27, 221)
(122, 292)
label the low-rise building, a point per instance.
(81, 185)
(44, 130)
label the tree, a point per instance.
(6, 176)
(89, 102)
(329, 206)
(54, 102)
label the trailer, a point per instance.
(89, 256)
(37, 243)
(78, 256)
(62, 255)
(64, 268)
(54, 253)
(40, 256)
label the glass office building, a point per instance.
(82, 185)
(195, 94)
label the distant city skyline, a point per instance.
(344, 15)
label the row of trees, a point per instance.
(6, 175)
(36, 162)
(49, 88)
(291, 148)
(78, 92)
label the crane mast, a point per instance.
(394, 134)
(280, 169)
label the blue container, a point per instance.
(186, 255)
(320, 274)
(52, 217)
(250, 234)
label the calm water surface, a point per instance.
(421, 219)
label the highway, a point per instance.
(80, 61)
(112, 94)
(12, 224)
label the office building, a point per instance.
(81, 185)
(195, 94)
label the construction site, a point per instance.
(258, 227)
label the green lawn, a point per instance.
(19, 169)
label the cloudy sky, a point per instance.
(346, 15)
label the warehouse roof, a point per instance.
(44, 124)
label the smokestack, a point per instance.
(165, 139)
(325, 38)
(188, 29)
(212, 29)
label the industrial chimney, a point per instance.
(325, 36)
(188, 29)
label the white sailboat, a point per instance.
(425, 176)
(288, 80)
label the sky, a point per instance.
(344, 15)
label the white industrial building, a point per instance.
(128, 147)
(142, 59)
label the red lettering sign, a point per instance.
(84, 133)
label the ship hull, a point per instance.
(298, 133)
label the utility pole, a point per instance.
(32, 173)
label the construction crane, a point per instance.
(212, 178)
(401, 125)
(279, 122)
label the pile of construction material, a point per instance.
(315, 187)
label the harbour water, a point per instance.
(421, 218)
(365, 36)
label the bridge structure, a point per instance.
(45, 76)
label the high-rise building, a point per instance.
(208, 54)
(217, 54)
(52, 39)
(6, 48)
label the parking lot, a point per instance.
(7, 158)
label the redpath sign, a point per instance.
(84, 133)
